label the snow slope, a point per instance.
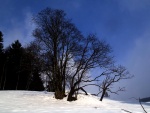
(40, 102)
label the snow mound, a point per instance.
(88, 100)
(41, 102)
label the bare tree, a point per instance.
(59, 39)
(110, 77)
(94, 53)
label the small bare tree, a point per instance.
(112, 76)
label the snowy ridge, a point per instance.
(41, 102)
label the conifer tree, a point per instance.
(1, 59)
(12, 66)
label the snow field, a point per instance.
(41, 102)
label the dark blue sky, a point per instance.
(124, 24)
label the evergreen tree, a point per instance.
(20, 68)
(1, 60)
(14, 55)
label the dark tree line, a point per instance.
(18, 69)
(60, 57)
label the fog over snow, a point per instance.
(138, 63)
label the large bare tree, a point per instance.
(60, 40)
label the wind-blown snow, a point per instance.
(41, 102)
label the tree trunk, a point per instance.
(70, 96)
(59, 94)
(84, 91)
(17, 82)
(64, 85)
(3, 75)
(102, 96)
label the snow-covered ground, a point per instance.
(41, 102)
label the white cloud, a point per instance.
(20, 30)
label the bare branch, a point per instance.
(126, 110)
(90, 85)
(95, 79)
(142, 106)
(116, 92)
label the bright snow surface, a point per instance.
(41, 102)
